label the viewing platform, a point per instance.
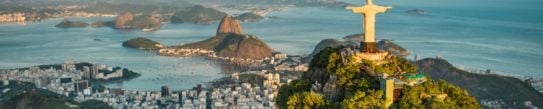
(378, 57)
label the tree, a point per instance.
(306, 100)
(365, 100)
(286, 91)
(427, 94)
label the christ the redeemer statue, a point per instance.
(369, 11)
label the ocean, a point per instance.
(500, 35)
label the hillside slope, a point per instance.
(512, 91)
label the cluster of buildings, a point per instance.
(93, 71)
(33, 14)
(186, 52)
(12, 17)
(73, 80)
(279, 61)
(65, 79)
(239, 96)
(282, 62)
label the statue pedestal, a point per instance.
(369, 47)
(378, 57)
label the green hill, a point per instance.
(512, 91)
(356, 85)
(142, 43)
(24, 95)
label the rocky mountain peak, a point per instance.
(229, 24)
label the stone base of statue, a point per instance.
(369, 47)
(378, 57)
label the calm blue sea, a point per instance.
(501, 35)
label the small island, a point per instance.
(416, 12)
(142, 43)
(71, 24)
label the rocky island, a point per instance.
(71, 24)
(142, 43)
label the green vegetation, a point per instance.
(24, 95)
(16, 88)
(394, 66)
(437, 95)
(145, 22)
(327, 43)
(348, 74)
(286, 91)
(365, 100)
(510, 90)
(355, 86)
(71, 24)
(141, 43)
(38, 100)
(305, 100)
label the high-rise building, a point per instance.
(165, 91)
(86, 72)
(95, 70)
(387, 85)
(81, 85)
